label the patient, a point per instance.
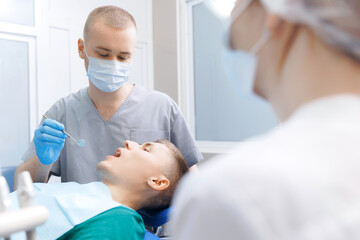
(136, 177)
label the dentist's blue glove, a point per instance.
(49, 140)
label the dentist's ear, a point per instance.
(158, 183)
(81, 48)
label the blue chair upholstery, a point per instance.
(154, 219)
(9, 173)
(150, 236)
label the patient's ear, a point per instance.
(159, 183)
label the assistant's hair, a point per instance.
(112, 16)
(336, 22)
(174, 174)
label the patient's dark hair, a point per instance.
(178, 170)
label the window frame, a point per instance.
(29, 35)
(186, 76)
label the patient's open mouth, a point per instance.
(117, 152)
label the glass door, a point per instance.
(18, 36)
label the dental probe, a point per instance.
(80, 142)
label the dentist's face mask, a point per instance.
(107, 75)
(240, 66)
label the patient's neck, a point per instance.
(124, 196)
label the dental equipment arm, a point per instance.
(22, 219)
(26, 218)
(25, 192)
(4, 198)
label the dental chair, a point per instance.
(9, 173)
(153, 220)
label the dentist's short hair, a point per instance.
(336, 22)
(112, 16)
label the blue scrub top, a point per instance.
(145, 116)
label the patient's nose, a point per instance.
(130, 144)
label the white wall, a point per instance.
(61, 71)
(165, 47)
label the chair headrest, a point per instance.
(155, 218)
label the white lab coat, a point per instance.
(300, 181)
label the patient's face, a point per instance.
(135, 164)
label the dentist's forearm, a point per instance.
(38, 171)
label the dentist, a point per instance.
(107, 112)
(301, 180)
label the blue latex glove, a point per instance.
(49, 141)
